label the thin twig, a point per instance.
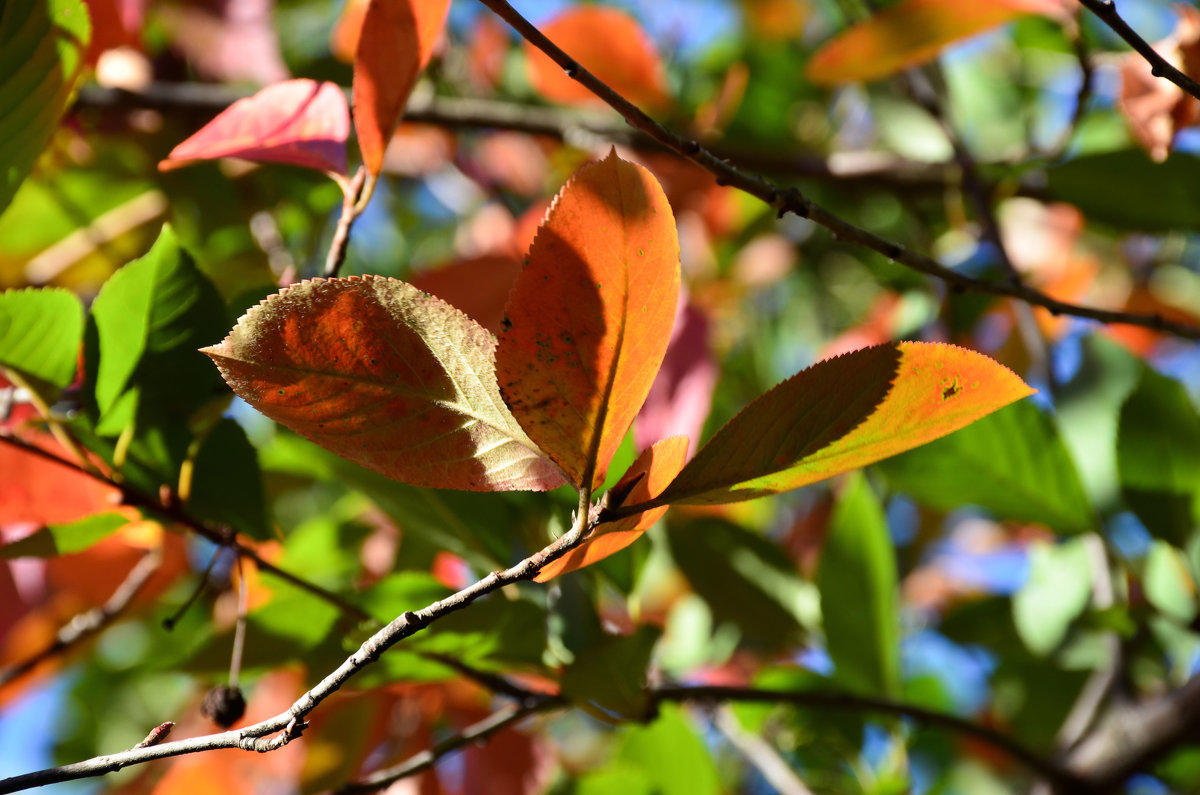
(793, 201)
(1106, 10)
(493, 682)
(1083, 96)
(761, 754)
(290, 724)
(475, 733)
(351, 209)
(170, 621)
(1037, 764)
(239, 630)
(175, 514)
(90, 622)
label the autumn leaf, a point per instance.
(845, 413)
(590, 316)
(909, 33)
(478, 286)
(395, 43)
(681, 396)
(387, 376)
(653, 471)
(1156, 109)
(298, 122)
(608, 43)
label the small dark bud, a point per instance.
(224, 705)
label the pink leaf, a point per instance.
(298, 122)
(681, 396)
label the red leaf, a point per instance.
(298, 122)
(681, 397)
(477, 286)
(385, 375)
(230, 41)
(911, 32)
(396, 42)
(40, 491)
(608, 43)
(590, 316)
(657, 466)
(845, 413)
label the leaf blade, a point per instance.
(374, 370)
(41, 330)
(590, 319)
(844, 413)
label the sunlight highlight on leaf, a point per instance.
(298, 122)
(845, 413)
(590, 316)
(387, 376)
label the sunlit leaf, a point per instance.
(387, 376)
(610, 44)
(37, 490)
(1012, 462)
(857, 581)
(590, 316)
(845, 413)
(908, 33)
(1158, 456)
(478, 286)
(42, 44)
(681, 397)
(40, 334)
(63, 539)
(395, 43)
(1057, 592)
(671, 755)
(654, 469)
(1168, 584)
(297, 122)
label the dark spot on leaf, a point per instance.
(951, 390)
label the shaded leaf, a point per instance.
(610, 44)
(1012, 462)
(845, 413)
(590, 316)
(857, 582)
(654, 469)
(681, 397)
(146, 323)
(478, 286)
(608, 678)
(63, 539)
(42, 44)
(746, 580)
(909, 33)
(1158, 456)
(386, 376)
(395, 43)
(1127, 190)
(226, 484)
(1057, 592)
(40, 333)
(298, 122)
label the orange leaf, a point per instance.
(298, 122)
(608, 43)
(911, 32)
(478, 286)
(590, 316)
(657, 466)
(40, 491)
(385, 375)
(396, 42)
(845, 413)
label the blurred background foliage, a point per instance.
(1042, 557)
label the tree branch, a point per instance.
(290, 724)
(90, 622)
(1106, 10)
(478, 732)
(761, 754)
(793, 201)
(175, 514)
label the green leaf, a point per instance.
(1057, 592)
(491, 635)
(746, 580)
(608, 678)
(1128, 190)
(147, 323)
(42, 43)
(40, 334)
(63, 539)
(226, 483)
(1168, 582)
(1158, 456)
(671, 756)
(857, 581)
(844, 413)
(1012, 462)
